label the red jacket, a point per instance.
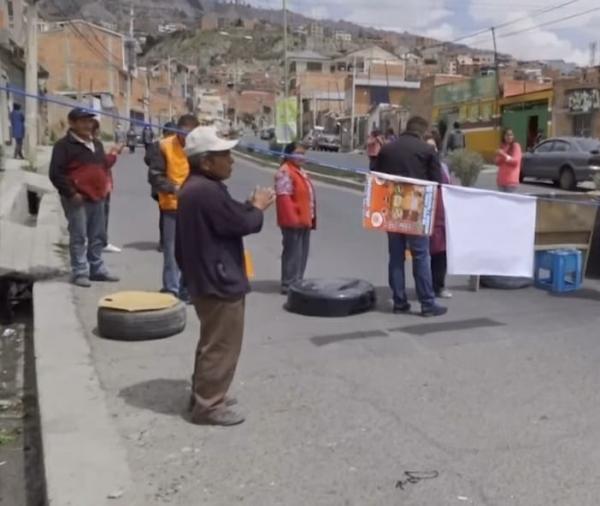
(296, 204)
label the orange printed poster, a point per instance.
(398, 204)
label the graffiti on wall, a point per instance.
(584, 101)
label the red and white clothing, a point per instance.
(296, 204)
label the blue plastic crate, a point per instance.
(559, 271)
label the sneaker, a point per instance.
(229, 401)
(111, 248)
(107, 278)
(401, 308)
(434, 311)
(444, 294)
(225, 417)
(82, 281)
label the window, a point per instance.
(582, 125)
(312, 66)
(546, 147)
(561, 147)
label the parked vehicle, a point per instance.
(311, 137)
(565, 160)
(266, 134)
(328, 142)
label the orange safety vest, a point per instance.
(178, 170)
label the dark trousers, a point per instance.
(419, 249)
(296, 246)
(438, 271)
(160, 228)
(218, 351)
(19, 149)
(106, 214)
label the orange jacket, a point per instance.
(296, 204)
(177, 170)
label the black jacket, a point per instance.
(409, 156)
(208, 246)
(157, 170)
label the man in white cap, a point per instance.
(210, 253)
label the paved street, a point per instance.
(495, 404)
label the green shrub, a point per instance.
(467, 165)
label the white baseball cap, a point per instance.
(206, 139)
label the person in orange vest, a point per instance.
(167, 173)
(296, 214)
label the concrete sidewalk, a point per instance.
(494, 404)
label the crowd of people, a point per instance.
(201, 227)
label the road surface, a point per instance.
(495, 404)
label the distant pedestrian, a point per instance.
(456, 139)
(79, 169)
(132, 139)
(508, 160)
(153, 158)
(411, 156)
(147, 136)
(168, 172)
(374, 144)
(210, 251)
(119, 137)
(541, 136)
(390, 135)
(296, 214)
(17, 124)
(437, 243)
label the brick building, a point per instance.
(576, 108)
(87, 62)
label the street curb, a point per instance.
(84, 458)
(353, 185)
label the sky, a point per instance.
(541, 35)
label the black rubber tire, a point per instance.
(505, 282)
(141, 325)
(331, 297)
(567, 179)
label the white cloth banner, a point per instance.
(489, 233)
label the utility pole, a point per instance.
(286, 77)
(147, 96)
(353, 110)
(286, 86)
(496, 71)
(31, 83)
(130, 46)
(170, 88)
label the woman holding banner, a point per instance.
(296, 214)
(437, 245)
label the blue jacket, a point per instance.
(17, 123)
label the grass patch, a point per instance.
(8, 436)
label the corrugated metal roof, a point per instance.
(391, 83)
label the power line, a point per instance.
(501, 25)
(547, 23)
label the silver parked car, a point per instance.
(564, 160)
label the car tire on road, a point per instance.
(567, 179)
(141, 325)
(331, 297)
(505, 282)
